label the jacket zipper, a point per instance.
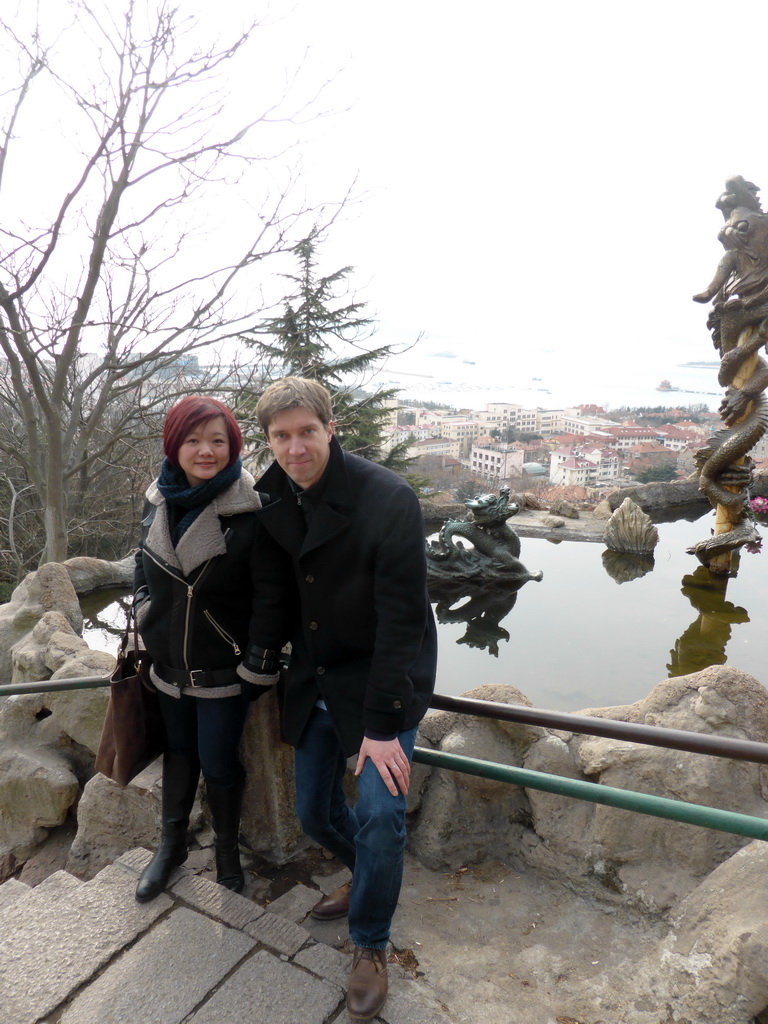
(221, 632)
(190, 595)
(188, 616)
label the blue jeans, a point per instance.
(368, 838)
(208, 729)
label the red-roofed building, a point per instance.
(583, 465)
(650, 453)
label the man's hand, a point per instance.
(391, 763)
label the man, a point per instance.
(363, 654)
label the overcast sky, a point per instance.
(538, 174)
(535, 177)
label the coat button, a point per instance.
(313, 625)
(309, 579)
(320, 670)
(397, 704)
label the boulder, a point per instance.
(664, 502)
(714, 962)
(112, 819)
(492, 815)
(530, 500)
(603, 510)
(57, 719)
(269, 824)
(564, 508)
(554, 522)
(649, 861)
(91, 574)
(58, 732)
(37, 788)
(47, 589)
(439, 512)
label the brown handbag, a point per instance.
(133, 734)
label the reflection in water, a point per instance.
(105, 613)
(623, 567)
(578, 641)
(483, 612)
(705, 640)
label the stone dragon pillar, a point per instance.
(738, 322)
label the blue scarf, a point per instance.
(185, 503)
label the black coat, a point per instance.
(200, 609)
(364, 638)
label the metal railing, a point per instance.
(595, 792)
(580, 789)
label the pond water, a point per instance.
(578, 639)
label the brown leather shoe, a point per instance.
(367, 990)
(336, 904)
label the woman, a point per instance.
(195, 573)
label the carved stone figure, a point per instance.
(495, 546)
(630, 530)
(738, 322)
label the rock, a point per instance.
(603, 510)
(492, 814)
(664, 502)
(269, 825)
(59, 732)
(37, 788)
(652, 862)
(564, 508)
(554, 522)
(75, 716)
(58, 719)
(48, 589)
(435, 512)
(29, 655)
(531, 500)
(91, 574)
(112, 819)
(630, 531)
(714, 963)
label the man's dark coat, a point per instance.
(363, 637)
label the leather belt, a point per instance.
(196, 677)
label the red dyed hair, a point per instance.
(188, 414)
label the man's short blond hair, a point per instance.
(292, 393)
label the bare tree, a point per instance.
(117, 286)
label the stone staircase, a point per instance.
(74, 952)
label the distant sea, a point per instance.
(548, 383)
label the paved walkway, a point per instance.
(482, 945)
(74, 952)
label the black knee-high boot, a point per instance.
(225, 803)
(181, 774)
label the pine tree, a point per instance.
(321, 336)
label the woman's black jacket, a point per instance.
(195, 601)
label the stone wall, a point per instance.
(708, 885)
(48, 743)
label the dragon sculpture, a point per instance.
(738, 322)
(495, 546)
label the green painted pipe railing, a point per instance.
(644, 803)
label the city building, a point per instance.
(584, 465)
(496, 463)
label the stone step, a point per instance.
(88, 953)
(11, 891)
(54, 939)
